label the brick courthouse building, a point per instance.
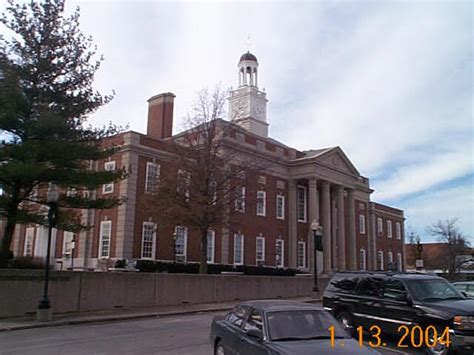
(319, 185)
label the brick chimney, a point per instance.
(160, 116)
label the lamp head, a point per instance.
(53, 195)
(314, 225)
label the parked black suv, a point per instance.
(391, 300)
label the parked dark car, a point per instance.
(281, 327)
(395, 301)
(467, 287)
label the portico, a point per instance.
(332, 184)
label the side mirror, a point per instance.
(464, 294)
(255, 333)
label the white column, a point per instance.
(292, 224)
(352, 231)
(326, 208)
(341, 236)
(313, 216)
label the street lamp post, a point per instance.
(317, 234)
(43, 313)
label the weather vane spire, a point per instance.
(248, 42)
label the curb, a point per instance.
(113, 318)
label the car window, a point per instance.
(302, 324)
(236, 317)
(470, 290)
(394, 289)
(254, 321)
(343, 283)
(432, 290)
(461, 287)
(371, 286)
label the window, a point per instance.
(104, 244)
(362, 224)
(390, 257)
(370, 286)
(389, 229)
(280, 207)
(301, 204)
(394, 289)
(152, 175)
(379, 226)
(301, 255)
(184, 180)
(279, 252)
(261, 208)
(29, 236)
(71, 192)
(236, 317)
(399, 262)
(255, 321)
(362, 260)
(240, 199)
(210, 246)
(380, 260)
(238, 249)
(148, 240)
(260, 250)
(398, 230)
(108, 188)
(68, 243)
(180, 243)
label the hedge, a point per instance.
(193, 268)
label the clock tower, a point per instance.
(247, 104)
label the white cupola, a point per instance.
(248, 105)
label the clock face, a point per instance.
(240, 108)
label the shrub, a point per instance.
(193, 268)
(27, 262)
(122, 263)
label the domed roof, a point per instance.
(248, 56)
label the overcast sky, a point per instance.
(391, 82)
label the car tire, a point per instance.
(438, 350)
(219, 349)
(346, 319)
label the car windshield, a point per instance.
(302, 325)
(433, 290)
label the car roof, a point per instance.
(464, 283)
(280, 305)
(401, 275)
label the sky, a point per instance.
(390, 82)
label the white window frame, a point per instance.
(280, 252)
(399, 262)
(362, 259)
(262, 252)
(150, 180)
(389, 228)
(304, 203)
(102, 239)
(29, 239)
(362, 224)
(68, 238)
(261, 203)
(182, 256)
(389, 257)
(146, 225)
(241, 237)
(211, 236)
(380, 262)
(108, 188)
(240, 199)
(398, 230)
(303, 259)
(282, 199)
(379, 226)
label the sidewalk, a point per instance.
(29, 322)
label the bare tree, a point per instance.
(448, 232)
(202, 188)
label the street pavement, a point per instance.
(171, 335)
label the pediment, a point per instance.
(337, 160)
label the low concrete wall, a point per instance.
(21, 290)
